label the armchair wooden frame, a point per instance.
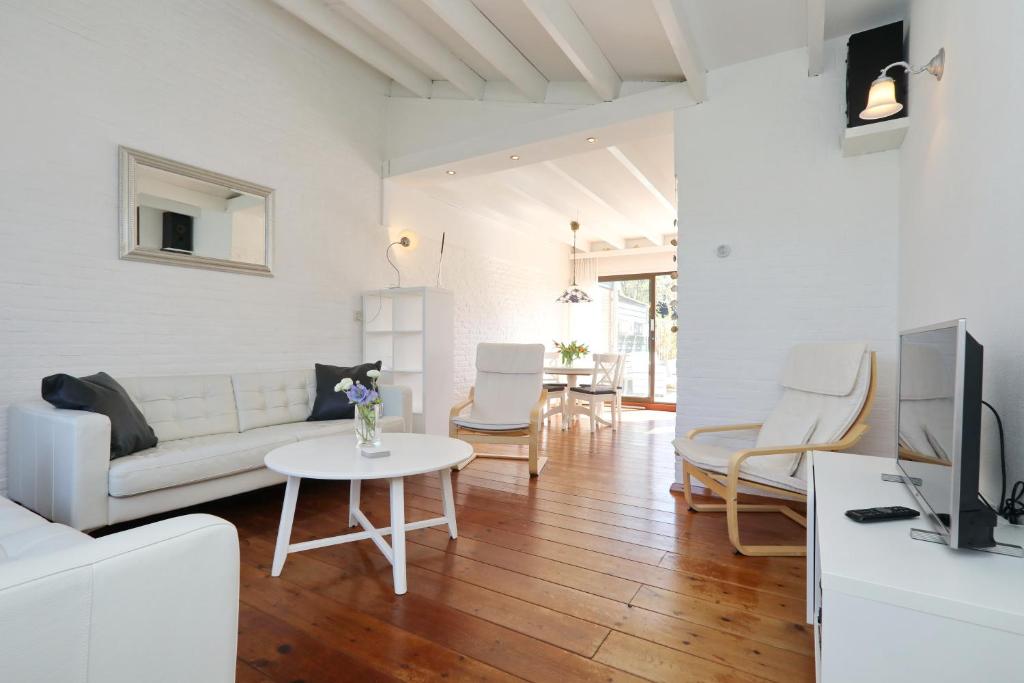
(523, 437)
(726, 485)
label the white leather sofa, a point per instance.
(158, 603)
(213, 431)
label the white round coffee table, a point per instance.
(336, 457)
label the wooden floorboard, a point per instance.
(594, 571)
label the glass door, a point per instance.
(641, 325)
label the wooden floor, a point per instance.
(593, 572)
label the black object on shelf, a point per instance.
(867, 53)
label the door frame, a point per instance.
(646, 401)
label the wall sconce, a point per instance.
(407, 240)
(882, 96)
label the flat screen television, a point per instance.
(939, 430)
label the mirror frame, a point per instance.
(129, 160)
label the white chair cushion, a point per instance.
(488, 426)
(179, 407)
(714, 458)
(824, 368)
(783, 428)
(42, 539)
(272, 398)
(509, 378)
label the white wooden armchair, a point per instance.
(829, 390)
(506, 404)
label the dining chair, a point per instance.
(556, 389)
(828, 392)
(604, 388)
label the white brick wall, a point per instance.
(813, 238)
(235, 86)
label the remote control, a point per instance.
(883, 514)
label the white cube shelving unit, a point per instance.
(411, 329)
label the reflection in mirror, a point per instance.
(180, 214)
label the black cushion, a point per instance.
(599, 389)
(331, 404)
(100, 393)
(555, 386)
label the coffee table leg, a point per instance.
(353, 500)
(398, 533)
(448, 502)
(284, 531)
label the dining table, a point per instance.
(572, 374)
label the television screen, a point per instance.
(939, 429)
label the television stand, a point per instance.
(888, 608)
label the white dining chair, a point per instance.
(605, 388)
(556, 389)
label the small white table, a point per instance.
(336, 457)
(572, 377)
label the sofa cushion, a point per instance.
(271, 398)
(101, 393)
(41, 539)
(179, 407)
(186, 461)
(304, 431)
(331, 404)
(14, 518)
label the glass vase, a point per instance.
(368, 425)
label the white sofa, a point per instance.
(158, 603)
(214, 431)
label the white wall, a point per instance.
(813, 238)
(505, 282)
(241, 88)
(962, 198)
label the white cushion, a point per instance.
(488, 426)
(14, 518)
(186, 461)
(304, 431)
(178, 407)
(783, 428)
(42, 539)
(714, 458)
(271, 398)
(824, 368)
(509, 378)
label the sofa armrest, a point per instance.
(57, 463)
(397, 401)
(158, 603)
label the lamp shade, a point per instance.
(573, 295)
(881, 100)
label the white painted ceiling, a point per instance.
(622, 188)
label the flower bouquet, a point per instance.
(367, 401)
(570, 351)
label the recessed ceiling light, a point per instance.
(514, 157)
(450, 172)
(591, 140)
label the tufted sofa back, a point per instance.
(185, 405)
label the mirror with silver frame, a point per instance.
(182, 215)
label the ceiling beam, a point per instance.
(539, 139)
(632, 251)
(677, 29)
(642, 178)
(653, 236)
(569, 33)
(476, 29)
(394, 23)
(347, 35)
(815, 37)
(603, 232)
